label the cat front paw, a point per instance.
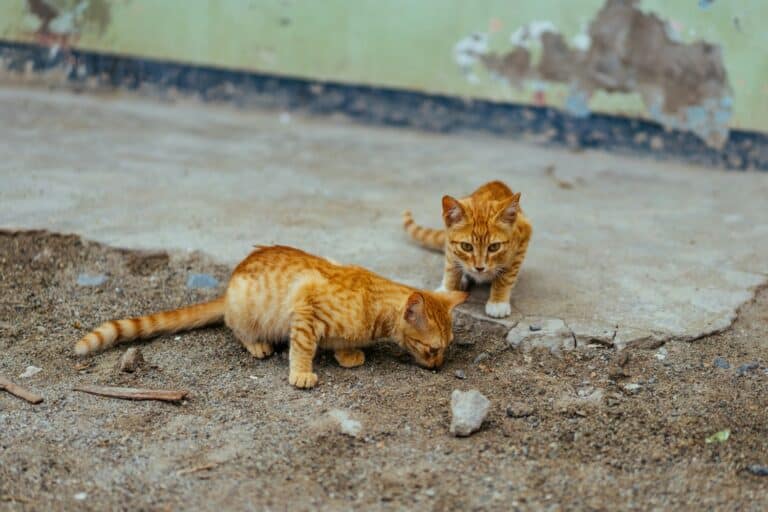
(303, 380)
(498, 309)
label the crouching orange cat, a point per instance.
(280, 293)
(485, 240)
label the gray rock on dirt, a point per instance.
(86, 279)
(131, 360)
(721, 362)
(519, 410)
(747, 367)
(468, 410)
(202, 281)
(551, 333)
(337, 421)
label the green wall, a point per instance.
(396, 43)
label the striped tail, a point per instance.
(428, 237)
(111, 333)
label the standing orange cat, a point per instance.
(485, 240)
(280, 293)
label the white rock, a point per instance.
(81, 496)
(347, 425)
(30, 371)
(632, 387)
(468, 409)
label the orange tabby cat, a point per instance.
(485, 239)
(280, 293)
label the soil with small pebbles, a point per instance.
(245, 439)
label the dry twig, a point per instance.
(195, 469)
(19, 391)
(164, 395)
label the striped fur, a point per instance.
(430, 238)
(280, 293)
(113, 332)
(485, 240)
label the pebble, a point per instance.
(482, 356)
(30, 372)
(468, 410)
(631, 387)
(202, 281)
(534, 327)
(131, 360)
(91, 279)
(519, 410)
(661, 354)
(81, 496)
(459, 374)
(721, 362)
(758, 470)
(347, 425)
(746, 368)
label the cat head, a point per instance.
(480, 233)
(425, 328)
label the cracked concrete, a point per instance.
(625, 251)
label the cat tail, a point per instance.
(113, 332)
(428, 237)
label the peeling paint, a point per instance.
(625, 50)
(60, 22)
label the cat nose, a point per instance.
(479, 269)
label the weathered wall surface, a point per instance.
(695, 64)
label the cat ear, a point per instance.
(455, 298)
(510, 208)
(414, 311)
(453, 212)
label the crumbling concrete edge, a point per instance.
(569, 339)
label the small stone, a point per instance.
(519, 410)
(459, 374)
(746, 368)
(85, 279)
(202, 281)
(661, 354)
(631, 387)
(758, 469)
(657, 143)
(131, 360)
(346, 424)
(482, 356)
(31, 371)
(534, 327)
(81, 496)
(617, 372)
(468, 410)
(721, 362)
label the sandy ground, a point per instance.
(246, 440)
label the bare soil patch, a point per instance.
(245, 439)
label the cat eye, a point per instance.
(494, 247)
(466, 247)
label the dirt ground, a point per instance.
(246, 440)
